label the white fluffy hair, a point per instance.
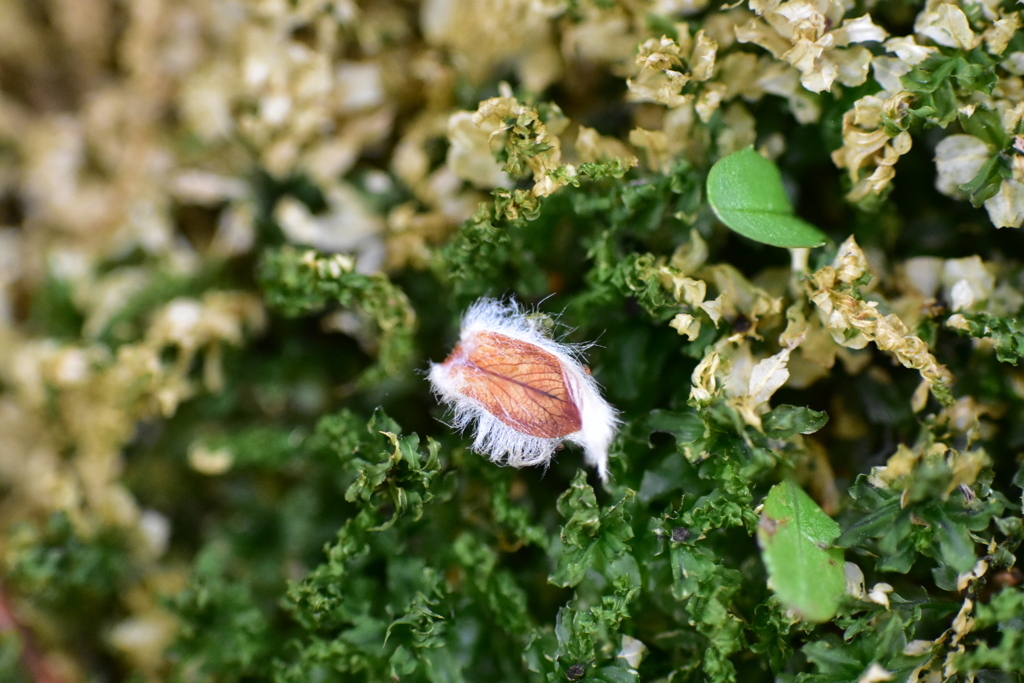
(502, 443)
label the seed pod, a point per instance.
(525, 392)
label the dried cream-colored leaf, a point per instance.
(702, 59)
(958, 158)
(769, 375)
(783, 80)
(686, 324)
(859, 30)
(591, 146)
(924, 274)
(973, 574)
(888, 71)
(908, 51)
(816, 72)
(758, 32)
(966, 466)
(879, 594)
(471, 151)
(919, 399)
(998, 35)
(709, 101)
(852, 65)
(713, 308)
(963, 623)
(655, 145)
(663, 72)
(867, 145)
(947, 25)
(853, 322)
(854, 580)
(1006, 208)
(737, 364)
(899, 466)
(875, 673)
(690, 255)
(740, 131)
(966, 281)
(704, 383)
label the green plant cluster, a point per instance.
(859, 523)
(356, 550)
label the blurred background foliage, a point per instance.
(233, 233)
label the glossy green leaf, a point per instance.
(592, 534)
(685, 427)
(784, 421)
(805, 572)
(745, 191)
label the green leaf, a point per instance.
(943, 82)
(494, 587)
(956, 547)
(592, 534)
(579, 627)
(987, 126)
(872, 525)
(390, 469)
(929, 75)
(795, 537)
(985, 184)
(785, 421)
(63, 569)
(733, 469)
(1005, 334)
(685, 427)
(975, 73)
(745, 191)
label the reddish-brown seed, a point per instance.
(519, 383)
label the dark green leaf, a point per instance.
(986, 125)
(783, 421)
(985, 184)
(591, 534)
(685, 427)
